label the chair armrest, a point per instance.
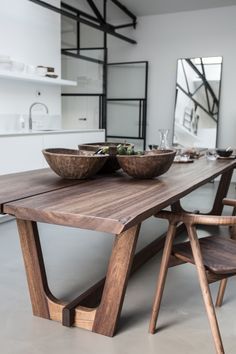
(230, 202)
(196, 219)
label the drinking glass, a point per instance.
(211, 155)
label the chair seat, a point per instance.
(219, 253)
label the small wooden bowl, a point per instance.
(73, 164)
(150, 165)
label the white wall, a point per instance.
(29, 34)
(165, 38)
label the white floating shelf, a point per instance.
(33, 78)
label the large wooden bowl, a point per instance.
(112, 163)
(150, 165)
(73, 164)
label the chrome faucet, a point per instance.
(30, 112)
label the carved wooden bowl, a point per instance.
(150, 165)
(74, 164)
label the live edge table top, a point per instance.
(109, 203)
(26, 184)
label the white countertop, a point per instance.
(44, 132)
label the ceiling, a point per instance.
(151, 7)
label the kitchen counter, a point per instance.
(23, 150)
(48, 132)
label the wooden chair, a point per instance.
(213, 256)
(223, 283)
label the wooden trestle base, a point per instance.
(98, 309)
(96, 318)
(91, 309)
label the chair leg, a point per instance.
(205, 289)
(223, 283)
(162, 276)
(221, 292)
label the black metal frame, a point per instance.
(208, 90)
(99, 22)
(210, 110)
(142, 105)
(100, 102)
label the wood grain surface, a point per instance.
(25, 184)
(120, 263)
(115, 203)
(218, 253)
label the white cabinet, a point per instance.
(22, 153)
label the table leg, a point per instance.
(220, 195)
(44, 304)
(34, 266)
(108, 312)
(222, 192)
(102, 319)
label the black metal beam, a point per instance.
(196, 102)
(106, 28)
(124, 9)
(104, 76)
(125, 137)
(144, 130)
(79, 56)
(78, 36)
(84, 48)
(185, 75)
(140, 120)
(197, 89)
(82, 94)
(129, 62)
(206, 91)
(96, 11)
(133, 24)
(206, 83)
(78, 12)
(126, 99)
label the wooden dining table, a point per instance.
(115, 204)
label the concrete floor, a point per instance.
(74, 260)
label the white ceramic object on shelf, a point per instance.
(30, 69)
(5, 66)
(17, 66)
(5, 59)
(41, 71)
(5, 62)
